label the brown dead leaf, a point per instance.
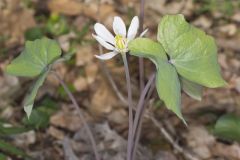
(15, 20)
(84, 55)
(9, 85)
(25, 139)
(236, 17)
(64, 41)
(68, 119)
(91, 72)
(203, 22)
(56, 133)
(67, 7)
(200, 141)
(61, 70)
(229, 29)
(118, 116)
(80, 84)
(103, 99)
(166, 8)
(105, 11)
(75, 7)
(227, 151)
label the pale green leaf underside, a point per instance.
(167, 82)
(144, 47)
(29, 99)
(168, 87)
(36, 56)
(192, 89)
(192, 52)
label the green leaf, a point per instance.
(167, 82)
(40, 116)
(191, 51)
(168, 87)
(12, 150)
(3, 157)
(227, 127)
(35, 58)
(192, 89)
(37, 119)
(57, 25)
(144, 47)
(29, 99)
(33, 33)
(6, 131)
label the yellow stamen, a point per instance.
(120, 42)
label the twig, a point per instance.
(86, 127)
(141, 62)
(139, 113)
(169, 138)
(68, 151)
(130, 107)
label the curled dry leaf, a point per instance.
(200, 141)
(68, 119)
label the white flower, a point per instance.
(119, 43)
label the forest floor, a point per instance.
(55, 131)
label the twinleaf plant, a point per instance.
(35, 61)
(185, 58)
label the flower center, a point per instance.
(120, 43)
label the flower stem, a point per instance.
(130, 106)
(70, 95)
(139, 114)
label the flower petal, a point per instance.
(106, 56)
(132, 31)
(143, 33)
(103, 32)
(119, 26)
(103, 43)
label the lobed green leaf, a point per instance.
(35, 58)
(191, 51)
